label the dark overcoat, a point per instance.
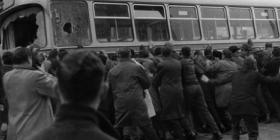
(168, 81)
(127, 82)
(244, 99)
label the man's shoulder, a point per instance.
(60, 133)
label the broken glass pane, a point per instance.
(71, 23)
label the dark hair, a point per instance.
(53, 54)
(62, 53)
(7, 58)
(217, 54)
(186, 51)
(158, 51)
(268, 45)
(227, 53)
(233, 49)
(208, 51)
(80, 75)
(144, 53)
(276, 51)
(124, 52)
(21, 55)
(167, 49)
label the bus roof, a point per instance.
(257, 3)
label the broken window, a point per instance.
(26, 27)
(71, 23)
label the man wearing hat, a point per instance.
(127, 82)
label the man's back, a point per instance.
(29, 108)
(75, 122)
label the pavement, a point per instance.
(267, 132)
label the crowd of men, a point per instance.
(156, 94)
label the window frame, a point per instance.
(165, 19)
(5, 23)
(91, 39)
(114, 17)
(258, 19)
(215, 19)
(252, 19)
(185, 19)
(150, 18)
(111, 17)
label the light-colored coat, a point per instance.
(28, 93)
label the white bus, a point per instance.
(109, 24)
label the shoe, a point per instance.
(217, 136)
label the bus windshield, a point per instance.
(71, 24)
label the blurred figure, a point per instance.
(272, 69)
(223, 69)
(236, 56)
(28, 93)
(7, 66)
(7, 59)
(194, 96)
(81, 82)
(128, 81)
(244, 99)
(168, 83)
(61, 54)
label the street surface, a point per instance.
(267, 132)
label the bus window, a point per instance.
(184, 23)
(151, 23)
(71, 23)
(266, 23)
(24, 28)
(113, 23)
(241, 23)
(214, 23)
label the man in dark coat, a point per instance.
(244, 99)
(168, 82)
(127, 81)
(81, 82)
(194, 94)
(272, 69)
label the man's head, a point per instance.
(234, 49)
(124, 52)
(217, 54)
(167, 50)
(22, 55)
(7, 58)
(276, 52)
(81, 77)
(227, 53)
(268, 45)
(186, 52)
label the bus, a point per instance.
(110, 24)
